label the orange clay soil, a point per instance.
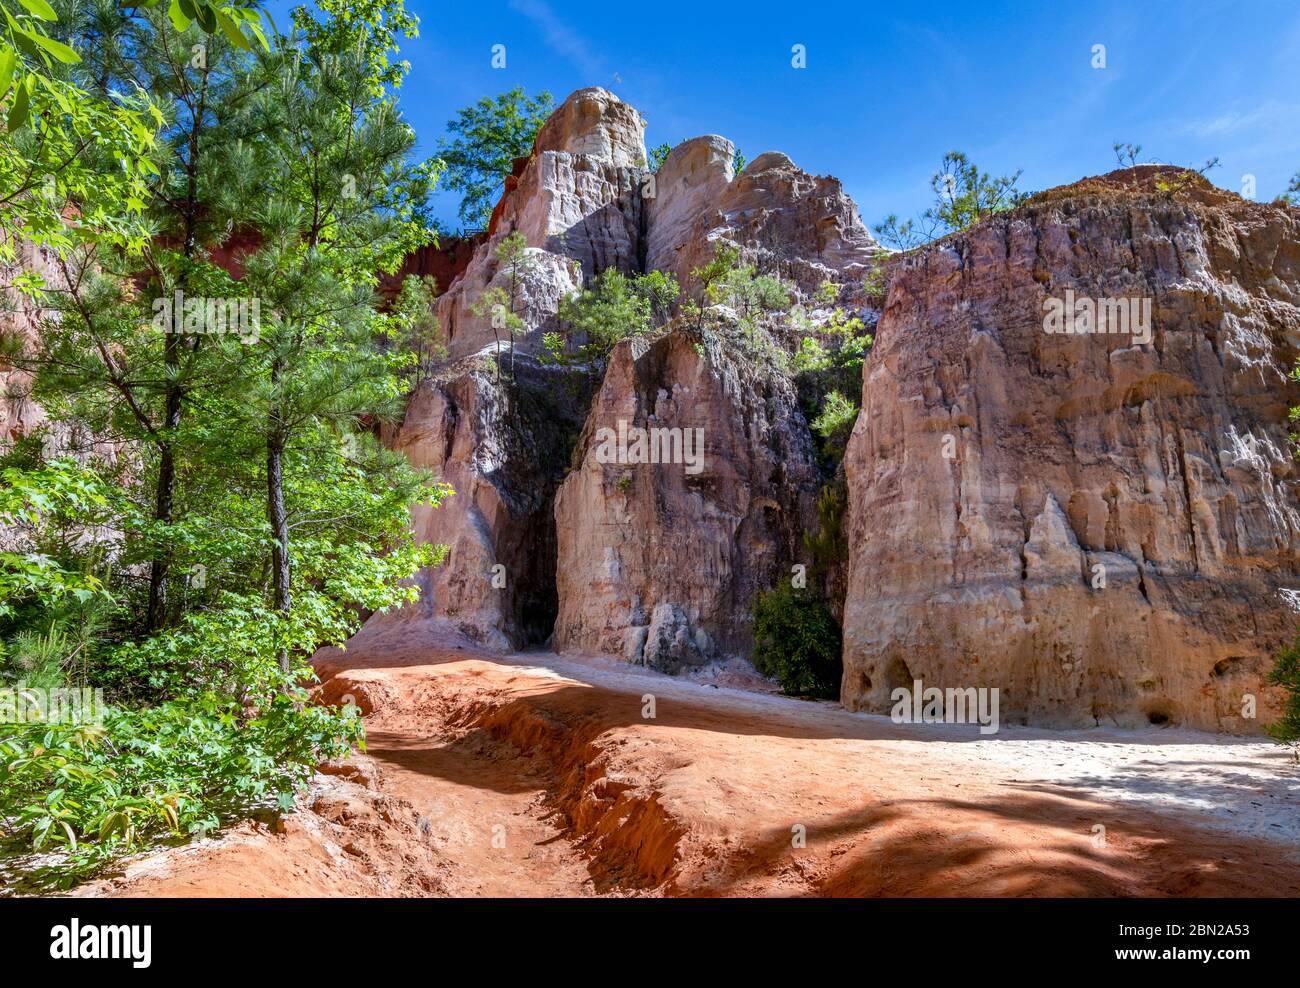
(492, 777)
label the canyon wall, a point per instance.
(659, 561)
(1098, 527)
(1102, 527)
(576, 202)
(646, 561)
(504, 453)
(19, 415)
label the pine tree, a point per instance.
(337, 201)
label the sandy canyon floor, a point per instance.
(536, 775)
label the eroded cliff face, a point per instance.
(577, 203)
(660, 555)
(19, 415)
(1100, 526)
(647, 562)
(503, 448)
(799, 226)
(1101, 529)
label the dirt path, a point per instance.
(486, 814)
(544, 776)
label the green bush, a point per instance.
(1286, 673)
(797, 642)
(835, 423)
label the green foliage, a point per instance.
(616, 307)
(64, 146)
(828, 546)
(37, 659)
(660, 292)
(834, 422)
(875, 284)
(490, 135)
(493, 304)
(1185, 179)
(98, 790)
(497, 304)
(725, 281)
(797, 641)
(248, 497)
(1286, 673)
(1127, 156)
(658, 155)
(738, 161)
(38, 509)
(725, 260)
(963, 196)
(415, 326)
(828, 363)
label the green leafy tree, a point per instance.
(835, 421)
(105, 360)
(60, 140)
(963, 196)
(660, 292)
(706, 279)
(1286, 673)
(610, 310)
(797, 641)
(489, 136)
(828, 365)
(286, 521)
(659, 154)
(338, 201)
(498, 304)
(418, 331)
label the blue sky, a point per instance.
(889, 88)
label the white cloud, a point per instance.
(1270, 114)
(561, 39)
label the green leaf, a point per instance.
(18, 112)
(231, 31)
(41, 9)
(178, 17)
(205, 15)
(25, 42)
(256, 28)
(56, 48)
(8, 60)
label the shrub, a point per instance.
(1286, 673)
(963, 196)
(797, 641)
(835, 423)
(616, 307)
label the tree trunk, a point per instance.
(165, 495)
(275, 514)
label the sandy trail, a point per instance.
(542, 776)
